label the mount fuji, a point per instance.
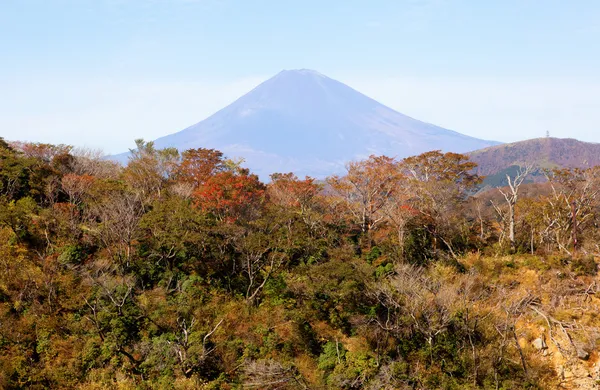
(304, 122)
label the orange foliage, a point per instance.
(230, 195)
(289, 191)
(198, 165)
(77, 186)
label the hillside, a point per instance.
(195, 275)
(310, 124)
(543, 153)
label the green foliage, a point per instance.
(383, 270)
(373, 255)
(276, 291)
(417, 247)
(14, 172)
(585, 265)
(73, 255)
(18, 216)
(333, 354)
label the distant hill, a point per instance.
(305, 122)
(543, 153)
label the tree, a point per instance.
(571, 204)
(150, 169)
(439, 184)
(15, 172)
(191, 358)
(115, 220)
(198, 165)
(511, 195)
(93, 163)
(366, 189)
(302, 197)
(173, 232)
(18, 216)
(259, 250)
(231, 195)
(42, 152)
(410, 294)
(399, 212)
(436, 166)
(287, 190)
(77, 187)
(271, 374)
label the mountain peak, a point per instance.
(301, 72)
(304, 122)
(297, 77)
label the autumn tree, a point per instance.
(41, 151)
(287, 190)
(365, 190)
(271, 374)
(172, 233)
(149, 169)
(302, 197)
(532, 221)
(427, 305)
(77, 187)
(439, 182)
(198, 165)
(18, 216)
(398, 210)
(14, 172)
(231, 195)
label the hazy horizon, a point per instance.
(102, 73)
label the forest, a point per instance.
(185, 271)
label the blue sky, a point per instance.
(101, 73)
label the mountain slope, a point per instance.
(540, 152)
(305, 122)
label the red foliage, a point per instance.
(230, 195)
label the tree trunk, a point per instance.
(511, 227)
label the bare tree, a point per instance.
(514, 306)
(190, 359)
(258, 257)
(571, 205)
(426, 303)
(511, 195)
(94, 163)
(115, 220)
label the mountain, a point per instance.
(544, 153)
(307, 123)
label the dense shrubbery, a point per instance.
(181, 272)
